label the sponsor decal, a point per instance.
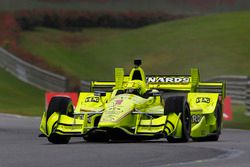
(196, 118)
(92, 99)
(202, 100)
(174, 80)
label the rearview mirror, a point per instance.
(154, 93)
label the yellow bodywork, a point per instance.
(137, 115)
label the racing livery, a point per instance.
(139, 107)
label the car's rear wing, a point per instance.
(188, 83)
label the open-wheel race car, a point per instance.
(139, 107)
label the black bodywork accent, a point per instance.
(116, 134)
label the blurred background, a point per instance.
(62, 45)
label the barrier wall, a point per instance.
(238, 88)
(32, 74)
(248, 98)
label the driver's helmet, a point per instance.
(136, 87)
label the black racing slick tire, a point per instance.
(179, 105)
(60, 104)
(64, 106)
(58, 139)
(216, 134)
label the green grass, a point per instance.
(240, 120)
(216, 44)
(20, 98)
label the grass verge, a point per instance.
(17, 97)
(240, 120)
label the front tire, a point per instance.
(58, 139)
(64, 106)
(179, 105)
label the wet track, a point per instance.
(20, 146)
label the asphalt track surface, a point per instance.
(21, 147)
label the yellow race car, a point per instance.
(139, 107)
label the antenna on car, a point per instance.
(137, 62)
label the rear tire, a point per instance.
(178, 104)
(64, 106)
